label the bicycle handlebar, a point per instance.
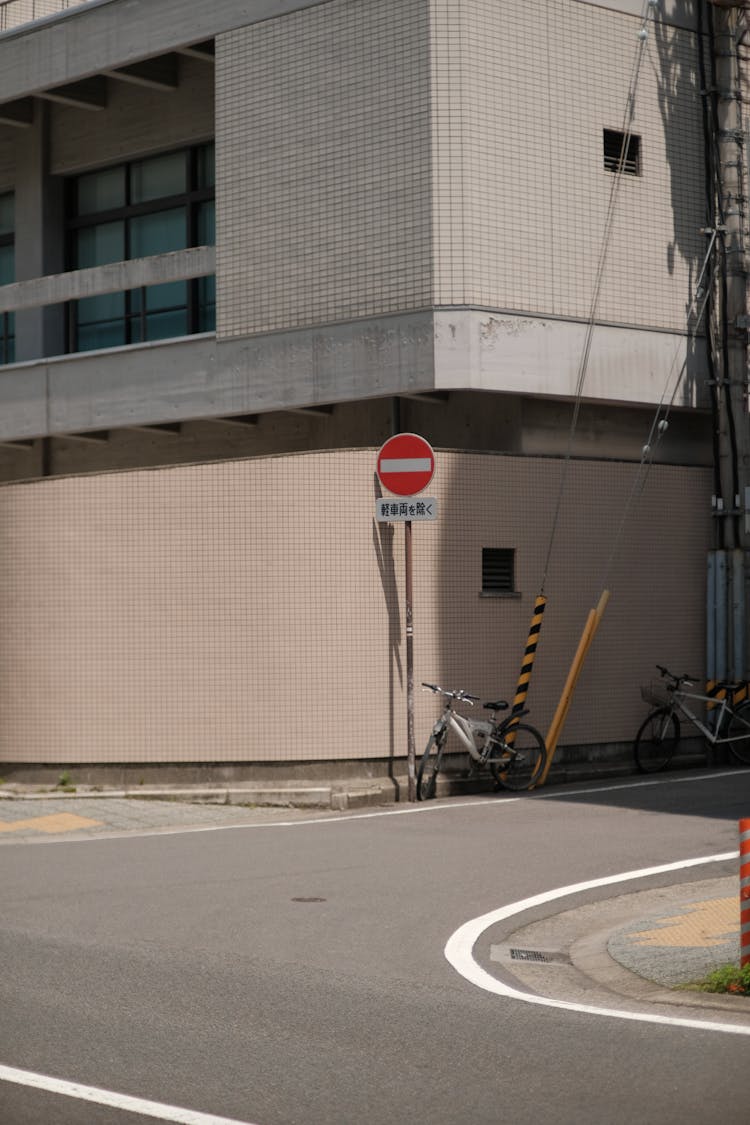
(677, 680)
(461, 695)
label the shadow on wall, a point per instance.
(508, 502)
(679, 85)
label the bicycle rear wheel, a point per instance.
(656, 740)
(429, 766)
(523, 768)
(738, 730)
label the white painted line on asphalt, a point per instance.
(642, 784)
(460, 946)
(420, 808)
(118, 1101)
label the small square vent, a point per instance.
(622, 152)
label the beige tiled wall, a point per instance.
(252, 610)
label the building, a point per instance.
(241, 243)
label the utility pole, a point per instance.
(729, 646)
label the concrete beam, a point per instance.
(56, 289)
(172, 428)
(156, 74)
(439, 398)
(89, 93)
(205, 51)
(243, 420)
(324, 411)
(18, 114)
(94, 436)
(107, 34)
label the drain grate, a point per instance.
(511, 953)
(528, 955)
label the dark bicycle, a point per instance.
(659, 733)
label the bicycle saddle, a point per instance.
(501, 705)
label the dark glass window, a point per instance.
(7, 275)
(134, 210)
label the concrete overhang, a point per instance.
(102, 36)
(200, 377)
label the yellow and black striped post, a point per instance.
(524, 675)
(718, 693)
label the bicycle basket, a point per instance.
(655, 693)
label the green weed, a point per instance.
(727, 978)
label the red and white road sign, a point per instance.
(405, 464)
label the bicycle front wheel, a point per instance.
(429, 766)
(656, 740)
(524, 767)
(738, 731)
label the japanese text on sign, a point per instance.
(424, 508)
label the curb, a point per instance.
(339, 798)
(570, 955)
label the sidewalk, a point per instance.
(685, 942)
(338, 795)
(635, 951)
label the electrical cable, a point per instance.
(660, 420)
(627, 132)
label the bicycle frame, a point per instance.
(468, 730)
(677, 703)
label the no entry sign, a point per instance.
(406, 464)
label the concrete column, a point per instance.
(39, 236)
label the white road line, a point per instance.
(430, 807)
(118, 1101)
(459, 949)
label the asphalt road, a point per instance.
(275, 973)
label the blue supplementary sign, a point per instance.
(415, 508)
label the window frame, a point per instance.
(191, 200)
(7, 319)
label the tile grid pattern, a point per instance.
(252, 610)
(323, 166)
(13, 13)
(379, 157)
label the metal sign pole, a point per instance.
(405, 466)
(410, 753)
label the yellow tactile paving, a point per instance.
(58, 822)
(713, 922)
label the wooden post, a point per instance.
(558, 720)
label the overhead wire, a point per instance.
(660, 421)
(627, 133)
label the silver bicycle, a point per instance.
(514, 751)
(659, 733)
